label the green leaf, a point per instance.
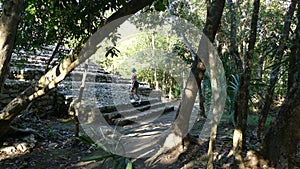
(86, 139)
(279, 64)
(129, 164)
(97, 158)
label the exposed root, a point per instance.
(23, 132)
(172, 148)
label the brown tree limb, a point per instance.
(53, 54)
(11, 14)
(51, 79)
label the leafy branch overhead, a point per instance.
(259, 55)
(112, 51)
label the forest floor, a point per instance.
(55, 146)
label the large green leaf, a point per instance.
(129, 164)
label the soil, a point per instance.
(55, 146)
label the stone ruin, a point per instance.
(102, 87)
(105, 105)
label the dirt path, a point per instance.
(58, 148)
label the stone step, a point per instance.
(34, 59)
(28, 67)
(143, 117)
(132, 109)
(113, 108)
(100, 112)
(92, 70)
(101, 88)
(136, 140)
(37, 62)
(97, 77)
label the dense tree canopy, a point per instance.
(257, 41)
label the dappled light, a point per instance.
(149, 84)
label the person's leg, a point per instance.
(132, 94)
(137, 93)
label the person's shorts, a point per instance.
(136, 84)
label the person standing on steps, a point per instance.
(134, 86)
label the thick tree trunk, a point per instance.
(181, 123)
(210, 30)
(11, 14)
(241, 103)
(280, 142)
(292, 64)
(298, 46)
(292, 74)
(280, 145)
(60, 71)
(199, 79)
(233, 47)
(275, 71)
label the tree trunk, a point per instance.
(200, 78)
(292, 64)
(60, 71)
(201, 101)
(294, 51)
(78, 100)
(11, 14)
(233, 49)
(47, 67)
(275, 70)
(280, 142)
(280, 145)
(298, 46)
(241, 103)
(181, 123)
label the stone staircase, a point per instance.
(129, 129)
(143, 112)
(101, 87)
(132, 130)
(32, 67)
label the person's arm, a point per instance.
(132, 83)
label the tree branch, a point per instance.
(51, 79)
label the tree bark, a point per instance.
(275, 70)
(292, 65)
(241, 103)
(298, 46)
(280, 142)
(181, 123)
(11, 14)
(200, 78)
(292, 72)
(51, 79)
(233, 49)
(47, 66)
(78, 100)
